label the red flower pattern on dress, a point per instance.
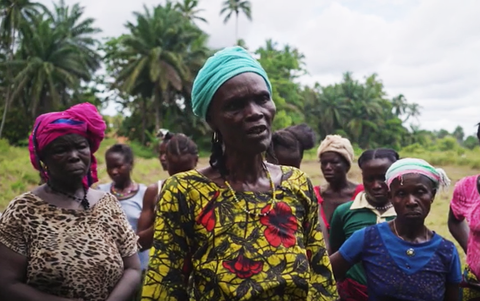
(243, 267)
(207, 216)
(281, 225)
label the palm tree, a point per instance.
(14, 14)
(230, 7)
(412, 110)
(155, 47)
(189, 10)
(47, 65)
(400, 105)
(78, 31)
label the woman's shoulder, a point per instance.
(467, 183)
(383, 228)
(292, 174)
(103, 187)
(23, 205)
(465, 194)
(142, 188)
(105, 200)
(24, 199)
(445, 248)
(440, 239)
(182, 182)
(191, 175)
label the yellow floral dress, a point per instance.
(207, 248)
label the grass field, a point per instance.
(17, 176)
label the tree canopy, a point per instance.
(53, 59)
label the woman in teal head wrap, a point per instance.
(240, 229)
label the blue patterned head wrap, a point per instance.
(218, 69)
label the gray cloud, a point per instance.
(424, 49)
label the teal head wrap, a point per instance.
(218, 69)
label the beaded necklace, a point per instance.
(83, 201)
(382, 208)
(131, 188)
(253, 214)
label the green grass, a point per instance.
(17, 175)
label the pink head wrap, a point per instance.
(82, 119)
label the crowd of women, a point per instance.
(249, 226)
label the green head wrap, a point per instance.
(218, 69)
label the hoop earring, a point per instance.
(215, 137)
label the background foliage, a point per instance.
(53, 59)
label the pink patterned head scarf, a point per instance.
(82, 119)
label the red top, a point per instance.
(320, 202)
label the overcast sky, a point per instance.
(427, 50)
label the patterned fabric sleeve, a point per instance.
(165, 279)
(12, 226)
(125, 237)
(461, 201)
(322, 284)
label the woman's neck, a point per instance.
(378, 203)
(411, 231)
(339, 185)
(72, 188)
(244, 168)
(123, 185)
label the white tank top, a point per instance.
(160, 183)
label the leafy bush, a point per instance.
(447, 143)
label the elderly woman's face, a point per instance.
(242, 111)
(412, 196)
(67, 157)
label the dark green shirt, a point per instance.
(350, 217)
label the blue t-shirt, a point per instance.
(391, 273)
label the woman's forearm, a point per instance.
(24, 292)
(145, 238)
(460, 232)
(127, 286)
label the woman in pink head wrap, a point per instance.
(62, 240)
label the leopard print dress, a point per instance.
(73, 254)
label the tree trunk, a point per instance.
(236, 28)
(144, 120)
(9, 85)
(166, 96)
(5, 108)
(156, 103)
